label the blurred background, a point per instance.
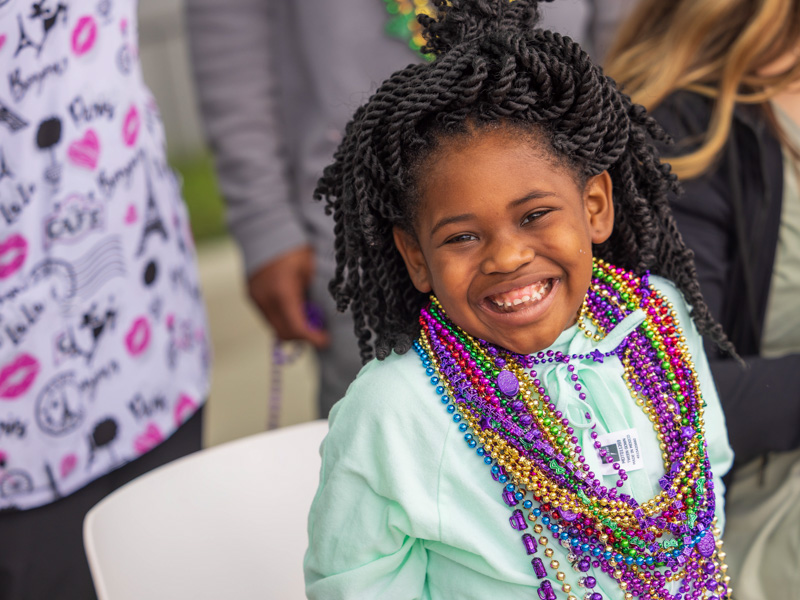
(245, 384)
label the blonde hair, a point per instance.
(717, 48)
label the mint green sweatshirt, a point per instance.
(406, 510)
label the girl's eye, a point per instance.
(461, 237)
(530, 217)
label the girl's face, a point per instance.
(503, 237)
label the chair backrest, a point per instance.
(228, 522)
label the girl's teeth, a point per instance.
(535, 296)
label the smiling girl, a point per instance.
(502, 212)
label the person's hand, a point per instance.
(279, 289)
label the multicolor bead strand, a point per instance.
(531, 447)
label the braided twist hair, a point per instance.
(491, 66)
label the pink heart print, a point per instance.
(2, 40)
(85, 152)
(131, 215)
(68, 464)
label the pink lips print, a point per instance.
(130, 126)
(13, 252)
(151, 438)
(86, 151)
(84, 35)
(138, 336)
(183, 409)
(17, 376)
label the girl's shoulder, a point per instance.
(393, 394)
(390, 416)
(668, 288)
(382, 383)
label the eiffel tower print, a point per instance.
(24, 40)
(10, 119)
(153, 223)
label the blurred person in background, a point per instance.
(277, 81)
(723, 78)
(591, 23)
(103, 343)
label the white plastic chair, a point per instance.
(228, 522)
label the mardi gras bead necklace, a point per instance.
(502, 407)
(403, 23)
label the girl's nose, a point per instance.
(506, 255)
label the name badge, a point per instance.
(624, 448)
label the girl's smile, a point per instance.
(503, 236)
(522, 298)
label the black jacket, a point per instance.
(730, 217)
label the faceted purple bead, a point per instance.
(538, 568)
(508, 383)
(706, 545)
(590, 582)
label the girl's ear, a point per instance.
(598, 202)
(412, 255)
